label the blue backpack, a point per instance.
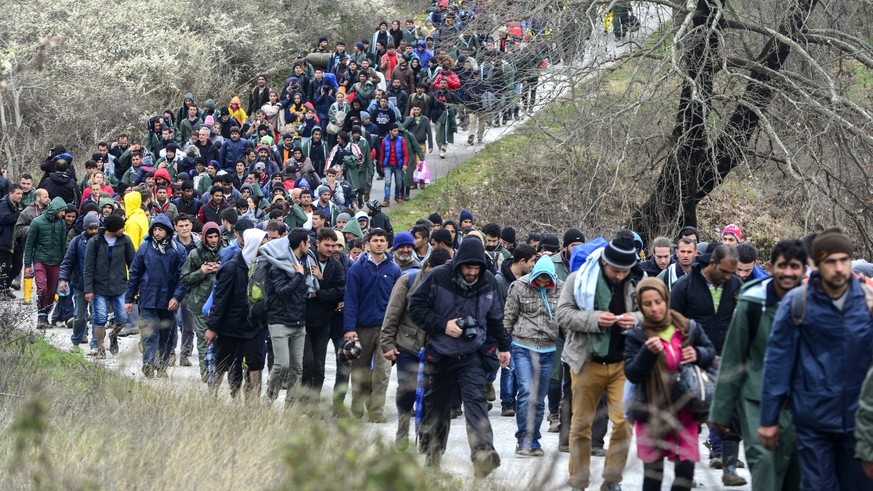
(581, 252)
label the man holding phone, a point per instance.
(198, 273)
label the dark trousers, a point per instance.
(601, 417)
(10, 266)
(653, 475)
(827, 461)
(467, 373)
(407, 379)
(314, 356)
(343, 370)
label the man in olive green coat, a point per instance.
(197, 274)
(741, 371)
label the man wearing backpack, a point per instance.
(742, 363)
(198, 273)
(817, 355)
(289, 287)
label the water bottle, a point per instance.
(210, 365)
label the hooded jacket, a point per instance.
(199, 283)
(288, 294)
(529, 311)
(331, 288)
(137, 224)
(106, 267)
(231, 151)
(154, 275)
(444, 295)
(47, 237)
(73, 265)
(229, 315)
(353, 227)
(368, 288)
(61, 185)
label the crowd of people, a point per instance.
(247, 235)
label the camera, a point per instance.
(468, 327)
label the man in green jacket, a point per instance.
(742, 366)
(197, 274)
(43, 253)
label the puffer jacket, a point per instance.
(529, 312)
(137, 224)
(398, 329)
(47, 237)
(104, 276)
(199, 284)
(154, 275)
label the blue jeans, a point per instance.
(533, 371)
(63, 310)
(100, 310)
(397, 172)
(80, 318)
(157, 336)
(508, 383)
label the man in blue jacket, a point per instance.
(233, 150)
(73, 274)
(154, 274)
(368, 288)
(818, 354)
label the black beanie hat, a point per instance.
(573, 235)
(831, 241)
(621, 253)
(435, 219)
(442, 235)
(508, 234)
(113, 223)
(549, 242)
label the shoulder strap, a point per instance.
(798, 305)
(868, 297)
(412, 274)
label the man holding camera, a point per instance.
(459, 307)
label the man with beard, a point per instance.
(661, 257)
(742, 366)
(404, 246)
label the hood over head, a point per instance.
(55, 205)
(252, 238)
(543, 266)
(353, 227)
(162, 220)
(470, 253)
(132, 202)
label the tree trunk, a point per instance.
(693, 170)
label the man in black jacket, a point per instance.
(459, 307)
(708, 295)
(60, 184)
(229, 323)
(320, 308)
(290, 286)
(10, 255)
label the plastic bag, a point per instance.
(421, 173)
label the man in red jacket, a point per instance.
(395, 158)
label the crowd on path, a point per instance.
(246, 235)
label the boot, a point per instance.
(729, 452)
(402, 437)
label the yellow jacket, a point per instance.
(137, 225)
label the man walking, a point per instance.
(197, 275)
(10, 251)
(368, 288)
(458, 307)
(817, 356)
(742, 363)
(154, 275)
(43, 253)
(597, 303)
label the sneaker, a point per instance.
(733, 479)
(184, 361)
(716, 463)
(442, 153)
(385, 203)
(69, 323)
(564, 448)
(59, 324)
(101, 354)
(536, 450)
(554, 420)
(16, 284)
(598, 451)
(128, 331)
(42, 322)
(507, 410)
